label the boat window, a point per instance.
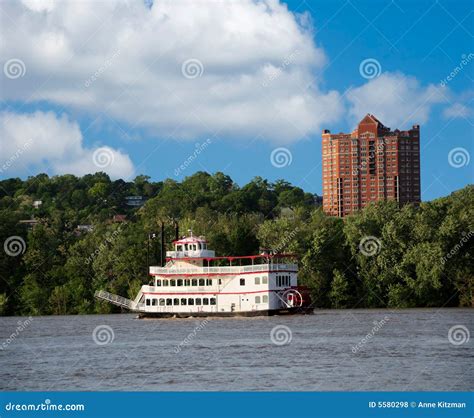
(187, 282)
(242, 282)
(213, 301)
(220, 281)
(265, 299)
(166, 282)
(205, 301)
(176, 301)
(154, 302)
(257, 299)
(183, 301)
(173, 282)
(257, 280)
(194, 282)
(201, 282)
(169, 302)
(198, 301)
(186, 247)
(190, 301)
(208, 282)
(179, 248)
(180, 282)
(264, 280)
(162, 302)
(158, 283)
(148, 302)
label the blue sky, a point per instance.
(273, 81)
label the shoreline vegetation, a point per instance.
(64, 237)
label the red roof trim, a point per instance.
(220, 274)
(253, 257)
(189, 240)
(215, 293)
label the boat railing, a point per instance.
(115, 299)
(225, 269)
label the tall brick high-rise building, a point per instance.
(372, 163)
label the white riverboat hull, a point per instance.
(268, 312)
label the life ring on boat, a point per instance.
(292, 298)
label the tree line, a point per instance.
(383, 256)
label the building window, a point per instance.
(183, 301)
(242, 282)
(257, 299)
(257, 280)
(162, 302)
(265, 298)
(205, 301)
(213, 301)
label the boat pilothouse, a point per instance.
(194, 282)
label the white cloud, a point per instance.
(396, 99)
(125, 59)
(43, 141)
(457, 110)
